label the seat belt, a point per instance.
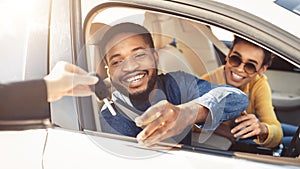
(127, 110)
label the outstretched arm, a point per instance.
(203, 103)
(29, 99)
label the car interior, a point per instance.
(196, 48)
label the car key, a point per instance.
(102, 93)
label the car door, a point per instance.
(190, 16)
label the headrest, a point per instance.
(97, 30)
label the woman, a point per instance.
(244, 69)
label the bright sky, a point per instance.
(14, 17)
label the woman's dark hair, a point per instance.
(126, 27)
(268, 55)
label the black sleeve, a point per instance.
(24, 100)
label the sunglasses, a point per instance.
(236, 61)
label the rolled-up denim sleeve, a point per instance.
(224, 103)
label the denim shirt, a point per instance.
(224, 102)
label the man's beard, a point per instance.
(140, 96)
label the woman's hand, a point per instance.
(248, 126)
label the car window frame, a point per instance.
(229, 20)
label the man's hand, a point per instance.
(68, 80)
(164, 120)
(248, 126)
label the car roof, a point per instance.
(276, 12)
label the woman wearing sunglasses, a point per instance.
(244, 69)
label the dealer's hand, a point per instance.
(66, 79)
(164, 120)
(248, 126)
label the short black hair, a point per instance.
(126, 27)
(268, 56)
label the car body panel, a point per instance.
(96, 151)
(54, 148)
(22, 149)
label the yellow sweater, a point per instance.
(260, 103)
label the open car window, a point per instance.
(193, 46)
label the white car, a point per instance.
(36, 34)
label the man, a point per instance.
(168, 104)
(29, 99)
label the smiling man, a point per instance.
(165, 105)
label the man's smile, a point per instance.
(134, 79)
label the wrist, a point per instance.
(265, 132)
(202, 113)
(197, 111)
(49, 88)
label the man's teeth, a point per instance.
(135, 78)
(236, 76)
